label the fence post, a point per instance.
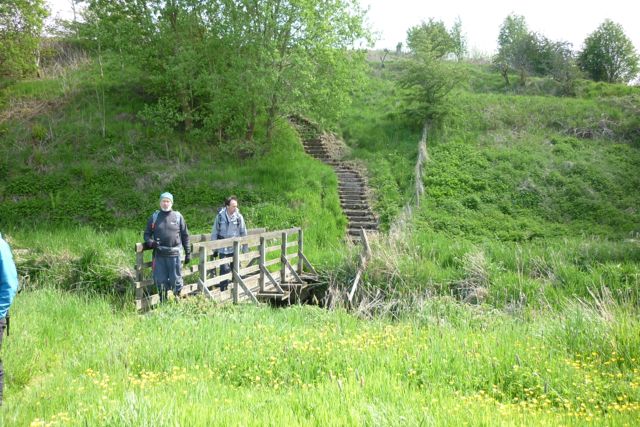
(300, 247)
(283, 259)
(202, 265)
(139, 291)
(261, 262)
(139, 262)
(235, 271)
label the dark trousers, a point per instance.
(167, 273)
(225, 269)
(3, 325)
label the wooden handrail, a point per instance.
(247, 269)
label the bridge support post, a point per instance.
(261, 261)
(236, 270)
(300, 249)
(283, 259)
(202, 265)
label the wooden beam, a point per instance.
(272, 280)
(234, 269)
(238, 281)
(139, 266)
(143, 284)
(217, 279)
(295, 275)
(271, 262)
(202, 269)
(261, 260)
(273, 248)
(217, 263)
(308, 264)
(204, 289)
(146, 303)
(364, 258)
(248, 270)
(365, 241)
(283, 259)
(300, 248)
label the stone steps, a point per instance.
(366, 225)
(352, 188)
(357, 213)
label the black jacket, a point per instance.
(169, 231)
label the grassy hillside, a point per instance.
(530, 197)
(76, 150)
(509, 297)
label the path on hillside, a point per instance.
(352, 186)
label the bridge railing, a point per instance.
(262, 263)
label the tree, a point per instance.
(529, 53)
(458, 39)
(608, 54)
(426, 78)
(513, 41)
(383, 57)
(430, 38)
(21, 23)
(554, 59)
(230, 64)
(427, 82)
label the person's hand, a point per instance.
(187, 258)
(152, 244)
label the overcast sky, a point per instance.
(570, 21)
(558, 20)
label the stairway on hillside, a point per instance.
(352, 186)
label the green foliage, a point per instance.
(609, 55)
(459, 40)
(61, 171)
(542, 187)
(427, 82)
(513, 36)
(162, 117)
(530, 53)
(279, 58)
(21, 22)
(432, 39)
(530, 208)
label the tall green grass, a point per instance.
(74, 360)
(530, 200)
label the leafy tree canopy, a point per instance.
(430, 38)
(609, 55)
(21, 23)
(227, 64)
(530, 53)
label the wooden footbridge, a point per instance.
(266, 266)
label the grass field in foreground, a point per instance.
(74, 360)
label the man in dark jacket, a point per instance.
(8, 289)
(166, 234)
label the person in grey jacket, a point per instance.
(166, 234)
(229, 223)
